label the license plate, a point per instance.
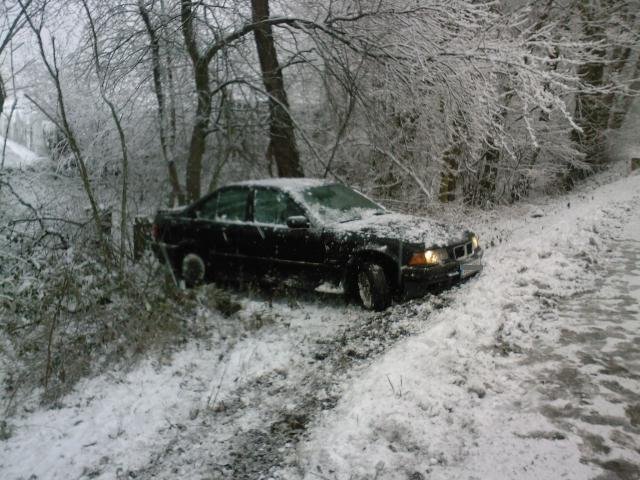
(469, 268)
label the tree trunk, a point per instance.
(199, 133)
(484, 192)
(123, 142)
(449, 175)
(623, 104)
(203, 109)
(167, 154)
(3, 95)
(450, 157)
(592, 112)
(625, 65)
(172, 121)
(282, 138)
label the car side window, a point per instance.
(273, 206)
(230, 204)
(208, 209)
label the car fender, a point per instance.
(378, 253)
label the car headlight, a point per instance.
(429, 257)
(474, 241)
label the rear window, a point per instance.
(228, 204)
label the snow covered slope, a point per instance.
(16, 155)
(468, 398)
(469, 384)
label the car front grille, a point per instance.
(461, 251)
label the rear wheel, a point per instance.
(372, 287)
(192, 270)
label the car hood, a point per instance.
(408, 228)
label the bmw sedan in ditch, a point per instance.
(315, 231)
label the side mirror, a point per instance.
(297, 221)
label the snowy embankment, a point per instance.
(16, 155)
(451, 402)
(118, 421)
(320, 389)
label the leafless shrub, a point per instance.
(66, 315)
(219, 300)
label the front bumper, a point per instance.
(416, 281)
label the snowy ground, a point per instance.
(529, 371)
(16, 155)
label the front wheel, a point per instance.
(373, 288)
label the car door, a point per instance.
(281, 248)
(220, 220)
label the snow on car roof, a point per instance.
(287, 184)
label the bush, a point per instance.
(65, 314)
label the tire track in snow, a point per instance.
(254, 430)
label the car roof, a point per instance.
(292, 184)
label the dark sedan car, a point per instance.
(317, 231)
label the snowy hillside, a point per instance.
(484, 381)
(213, 216)
(507, 382)
(16, 155)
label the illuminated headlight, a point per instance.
(429, 257)
(474, 241)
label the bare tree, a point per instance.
(624, 65)
(102, 82)
(200, 62)
(592, 111)
(423, 106)
(12, 110)
(12, 15)
(35, 21)
(166, 123)
(282, 143)
(282, 137)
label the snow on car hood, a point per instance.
(409, 228)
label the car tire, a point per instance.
(192, 270)
(372, 287)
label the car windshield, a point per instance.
(338, 204)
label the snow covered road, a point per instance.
(589, 384)
(529, 371)
(501, 384)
